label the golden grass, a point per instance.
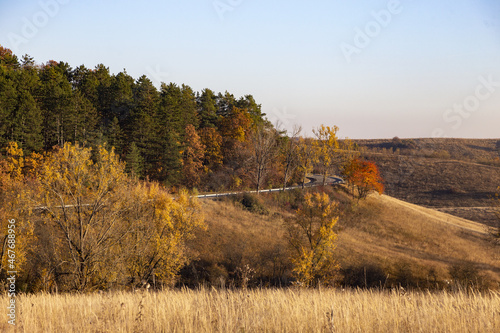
(271, 310)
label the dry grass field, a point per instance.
(271, 310)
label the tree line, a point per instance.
(88, 160)
(178, 137)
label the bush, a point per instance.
(466, 275)
(364, 276)
(254, 204)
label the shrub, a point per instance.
(364, 276)
(466, 275)
(254, 204)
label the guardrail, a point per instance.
(336, 181)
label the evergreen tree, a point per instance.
(225, 104)
(254, 110)
(141, 126)
(27, 124)
(56, 106)
(85, 119)
(87, 83)
(134, 161)
(207, 108)
(114, 135)
(8, 101)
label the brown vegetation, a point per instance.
(269, 310)
(382, 242)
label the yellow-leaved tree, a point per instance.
(312, 236)
(82, 203)
(156, 245)
(327, 149)
(16, 228)
(99, 228)
(306, 156)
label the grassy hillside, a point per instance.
(382, 241)
(462, 174)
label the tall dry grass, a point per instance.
(291, 310)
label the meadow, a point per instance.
(259, 310)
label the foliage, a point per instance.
(14, 212)
(254, 204)
(83, 205)
(365, 176)
(193, 154)
(100, 227)
(161, 226)
(263, 151)
(289, 153)
(47, 105)
(312, 235)
(327, 146)
(306, 157)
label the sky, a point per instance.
(375, 69)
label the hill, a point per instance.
(457, 176)
(382, 241)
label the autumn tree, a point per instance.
(348, 151)
(306, 156)
(290, 154)
(263, 140)
(312, 237)
(212, 140)
(192, 162)
(83, 202)
(14, 212)
(100, 228)
(364, 176)
(156, 248)
(235, 128)
(327, 146)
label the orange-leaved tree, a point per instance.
(364, 176)
(312, 236)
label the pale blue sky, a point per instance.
(422, 67)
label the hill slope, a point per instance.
(426, 244)
(458, 176)
(381, 241)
